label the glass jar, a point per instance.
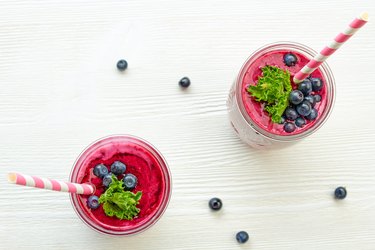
(141, 159)
(244, 124)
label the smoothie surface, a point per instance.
(139, 162)
(256, 109)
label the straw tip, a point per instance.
(364, 16)
(12, 177)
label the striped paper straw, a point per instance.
(339, 40)
(44, 183)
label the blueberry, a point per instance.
(296, 97)
(100, 170)
(317, 84)
(118, 168)
(93, 202)
(313, 115)
(290, 59)
(300, 122)
(291, 113)
(305, 87)
(340, 193)
(107, 180)
(304, 108)
(122, 65)
(311, 100)
(289, 127)
(242, 237)
(215, 204)
(317, 98)
(130, 181)
(184, 82)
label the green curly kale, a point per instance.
(273, 88)
(118, 202)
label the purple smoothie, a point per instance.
(255, 109)
(142, 160)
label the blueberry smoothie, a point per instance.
(267, 109)
(132, 183)
(316, 98)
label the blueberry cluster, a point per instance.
(118, 169)
(242, 236)
(302, 102)
(216, 204)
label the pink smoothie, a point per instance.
(255, 109)
(152, 178)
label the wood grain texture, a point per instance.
(60, 91)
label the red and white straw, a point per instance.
(38, 182)
(339, 40)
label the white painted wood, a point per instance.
(60, 91)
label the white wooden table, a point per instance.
(60, 90)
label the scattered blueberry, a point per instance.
(100, 170)
(296, 97)
(242, 237)
(311, 100)
(215, 204)
(184, 82)
(317, 98)
(289, 127)
(107, 180)
(291, 113)
(340, 193)
(305, 87)
(313, 115)
(93, 202)
(304, 108)
(290, 59)
(122, 65)
(130, 181)
(118, 168)
(300, 122)
(317, 84)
